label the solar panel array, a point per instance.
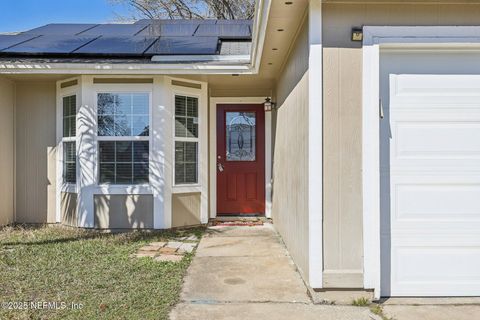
(143, 38)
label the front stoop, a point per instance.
(245, 272)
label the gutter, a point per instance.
(200, 64)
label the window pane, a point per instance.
(107, 151)
(140, 126)
(69, 124)
(192, 107)
(186, 162)
(124, 151)
(107, 173)
(123, 173)
(140, 173)
(140, 104)
(186, 117)
(124, 114)
(240, 136)
(69, 162)
(106, 103)
(106, 126)
(123, 125)
(123, 104)
(140, 151)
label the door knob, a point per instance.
(220, 167)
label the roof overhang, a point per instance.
(205, 64)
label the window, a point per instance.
(69, 162)
(69, 146)
(123, 131)
(186, 140)
(69, 116)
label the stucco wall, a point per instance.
(123, 211)
(7, 155)
(35, 151)
(186, 209)
(343, 117)
(290, 156)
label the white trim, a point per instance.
(60, 185)
(315, 146)
(375, 38)
(213, 149)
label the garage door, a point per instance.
(430, 176)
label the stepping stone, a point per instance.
(173, 244)
(149, 248)
(187, 247)
(157, 244)
(169, 257)
(142, 254)
(167, 250)
(192, 238)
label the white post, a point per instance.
(161, 154)
(315, 145)
(86, 153)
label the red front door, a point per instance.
(240, 159)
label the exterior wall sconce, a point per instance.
(357, 34)
(268, 104)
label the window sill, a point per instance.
(68, 188)
(123, 189)
(187, 188)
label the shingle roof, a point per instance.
(142, 39)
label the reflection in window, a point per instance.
(123, 114)
(240, 136)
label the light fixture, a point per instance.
(288, 3)
(268, 104)
(274, 49)
(280, 30)
(357, 34)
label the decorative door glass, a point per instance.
(241, 137)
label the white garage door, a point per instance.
(430, 172)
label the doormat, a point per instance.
(237, 223)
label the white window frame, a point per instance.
(177, 92)
(122, 89)
(69, 185)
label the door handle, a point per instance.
(220, 167)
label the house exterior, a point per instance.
(368, 162)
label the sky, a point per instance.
(21, 15)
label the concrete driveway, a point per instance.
(246, 273)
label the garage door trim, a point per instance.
(376, 39)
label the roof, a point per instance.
(137, 41)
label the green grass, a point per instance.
(361, 302)
(55, 264)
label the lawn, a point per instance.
(94, 271)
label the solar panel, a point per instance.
(224, 30)
(10, 40)
(235, 21)
(176, 21)
(135, 45)
(50, 44)
(114, 30)
(169, 29)
(185, 46)
(60, 28)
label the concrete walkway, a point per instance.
(246, 273)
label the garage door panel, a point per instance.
(437, 140)
(432, 202)
(434, 270)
